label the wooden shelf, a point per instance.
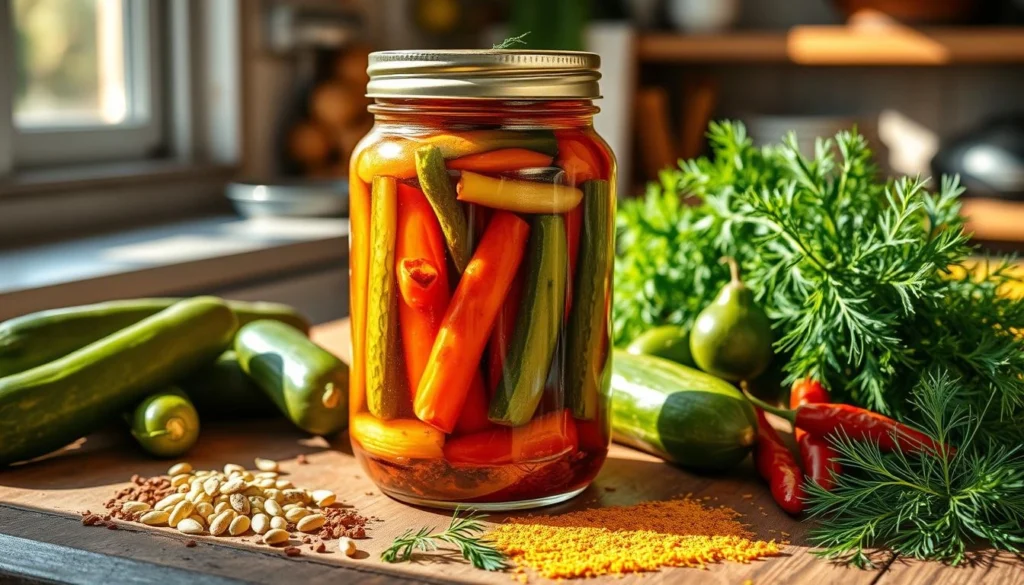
(994, 220)
(890, 45)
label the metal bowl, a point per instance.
(300, 198)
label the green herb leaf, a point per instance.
(463, 532)
(927, 506)
(512, 42)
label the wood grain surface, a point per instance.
(41, 535)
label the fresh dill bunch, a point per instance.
(463, 532)
(846, 261)
(974, 330)
(931, 505)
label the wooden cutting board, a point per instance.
(41, 534)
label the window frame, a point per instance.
(201, 108)
(136, 138)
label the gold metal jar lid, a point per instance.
(487, 74)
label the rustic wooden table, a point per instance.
(43, 540)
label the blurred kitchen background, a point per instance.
(178, 147)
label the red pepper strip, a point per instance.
(820, 460)
(577, 159)
(545, 437)
(859, 424)
(777, 465)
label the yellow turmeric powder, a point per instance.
(629, 539)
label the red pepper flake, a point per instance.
(301, 460)
(91, 520)
(190, 543)
(292, 551)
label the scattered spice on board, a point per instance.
(629, 539)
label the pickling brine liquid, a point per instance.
(481, 257)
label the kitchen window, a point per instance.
(84, 81)
(116, 113)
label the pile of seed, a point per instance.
(629, 539)
(235, 502)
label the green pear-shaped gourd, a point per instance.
(732, 337)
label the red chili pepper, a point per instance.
(776, 464)
(820, 460)
(859, 424)
(807, 391)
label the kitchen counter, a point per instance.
(219, 254)
(42, 538)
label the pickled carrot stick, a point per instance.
(545, 437)
(460, 343)
(501, 334)
(359, 270)
(397, 439)
(573, 225)
(422, 274)
(516, 195)
(500, 161)
(577, 160)
(474, 412)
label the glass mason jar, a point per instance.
(482, 214)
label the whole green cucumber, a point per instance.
(49, 406)
(536, 332)
(679, 414)
(306, 382)
(222, 391)
(38, 338)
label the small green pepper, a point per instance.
(166, 423)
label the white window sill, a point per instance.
(190, 257)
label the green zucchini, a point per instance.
(308, 384)
(222, 391)
(386, 385)
(589, 328)
(49, 406)
(166, 423)
(532, 347)
(437, 186)
(679, 414)
(38, 338)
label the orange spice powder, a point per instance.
(629, 539)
